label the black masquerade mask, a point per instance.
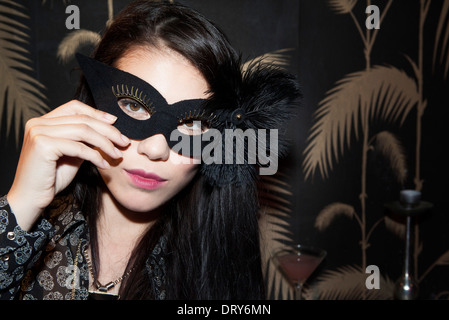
(141, 110)
(238, 129)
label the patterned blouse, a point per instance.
(48, 263)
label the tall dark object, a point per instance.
(410, 206)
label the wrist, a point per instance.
(25, 213)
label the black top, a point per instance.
(47, 263)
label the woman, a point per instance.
(104, 204)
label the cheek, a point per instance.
(184, 166)
(108, 174)
(185, 161)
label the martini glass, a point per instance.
(297, 263)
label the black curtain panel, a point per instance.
(374, 76)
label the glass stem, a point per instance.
(298, 291)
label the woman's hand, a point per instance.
(54, 147)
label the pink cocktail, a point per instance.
(298, 263)
(298, 267)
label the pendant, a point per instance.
(106, 287)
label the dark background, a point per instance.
(325, 47)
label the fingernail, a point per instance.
(125, 139)
(109, 117)
(118, 152)
(106, 164)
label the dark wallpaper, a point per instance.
(371, 124)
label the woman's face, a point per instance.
(150, 173)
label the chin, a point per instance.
(138, 202)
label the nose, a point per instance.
(154, 148)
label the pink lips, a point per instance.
(144, 180)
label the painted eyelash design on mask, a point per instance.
(199, 115)
(124, 92)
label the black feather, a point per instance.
(264, 97)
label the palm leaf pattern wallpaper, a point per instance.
(370, 125)
(21, 94)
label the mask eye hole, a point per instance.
(193, 127)
(134, 109)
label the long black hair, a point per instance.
(210, 233)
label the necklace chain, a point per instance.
(103, 288)
(75, 263)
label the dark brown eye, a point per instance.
(133, 109)
(192, 127)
